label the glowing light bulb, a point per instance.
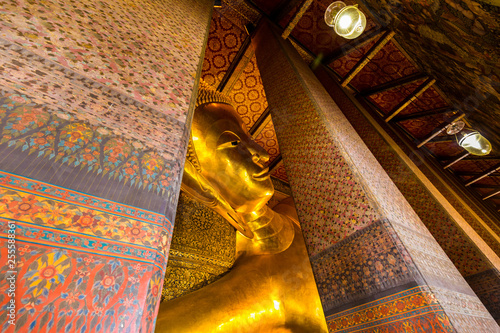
(472, 141)
(475, 143)
(345, 21)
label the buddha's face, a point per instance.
(229, 159)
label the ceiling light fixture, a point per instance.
(469, 139)
(347, 21)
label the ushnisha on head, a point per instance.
(225, 168)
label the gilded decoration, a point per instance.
(202, 249)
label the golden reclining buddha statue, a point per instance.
(271, 287)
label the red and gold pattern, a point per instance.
(280, 173)
(248, 94)
(222, 46)
(413, 310)
(84, 264)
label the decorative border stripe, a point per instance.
(64, 194)
(414, 303)
(26, 240)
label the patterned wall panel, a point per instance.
(83, 263)
(304, 118)
(94, 103)
(280, 173)
(248, 94)
(122, 44)
(240, 12)
(224, 41)
(362, 265)
(58, 147)
(267, 140)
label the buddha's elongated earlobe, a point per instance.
(194, 184)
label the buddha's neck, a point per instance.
(273, 233)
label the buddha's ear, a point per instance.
(194, 184)
(197, 186)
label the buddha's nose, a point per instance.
(259, 154)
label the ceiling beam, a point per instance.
(408, 100)
(261, 123)
(485, 186)
(422, 114)
(484, 175)
(440, 129)
(296, 18)
(352, 45)
(459, 158)
(394, 84)
(472, 158)
(386, 37)
(275, 164)
(492, 194)
(445, 138)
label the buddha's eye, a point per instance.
(228, 140)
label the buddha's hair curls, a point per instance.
(206, 94)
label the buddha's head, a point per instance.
(223, 161)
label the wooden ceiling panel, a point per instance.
(344, 64)
(248, 94)
(386, 101)
(493, 179)
(267, 140)
(429, 100)
(458, 42)
(224, 41)
(319, 38)
(421, 128)
(268, 6)
(473, 165)
(387, 65)
(444, 149)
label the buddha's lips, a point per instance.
(264, 174)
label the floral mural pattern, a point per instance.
(69, 291)
(84, 264)
(60, 137)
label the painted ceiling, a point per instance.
(455, 42)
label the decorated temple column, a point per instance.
(375, 262)
(95, 108)
(475, 254)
